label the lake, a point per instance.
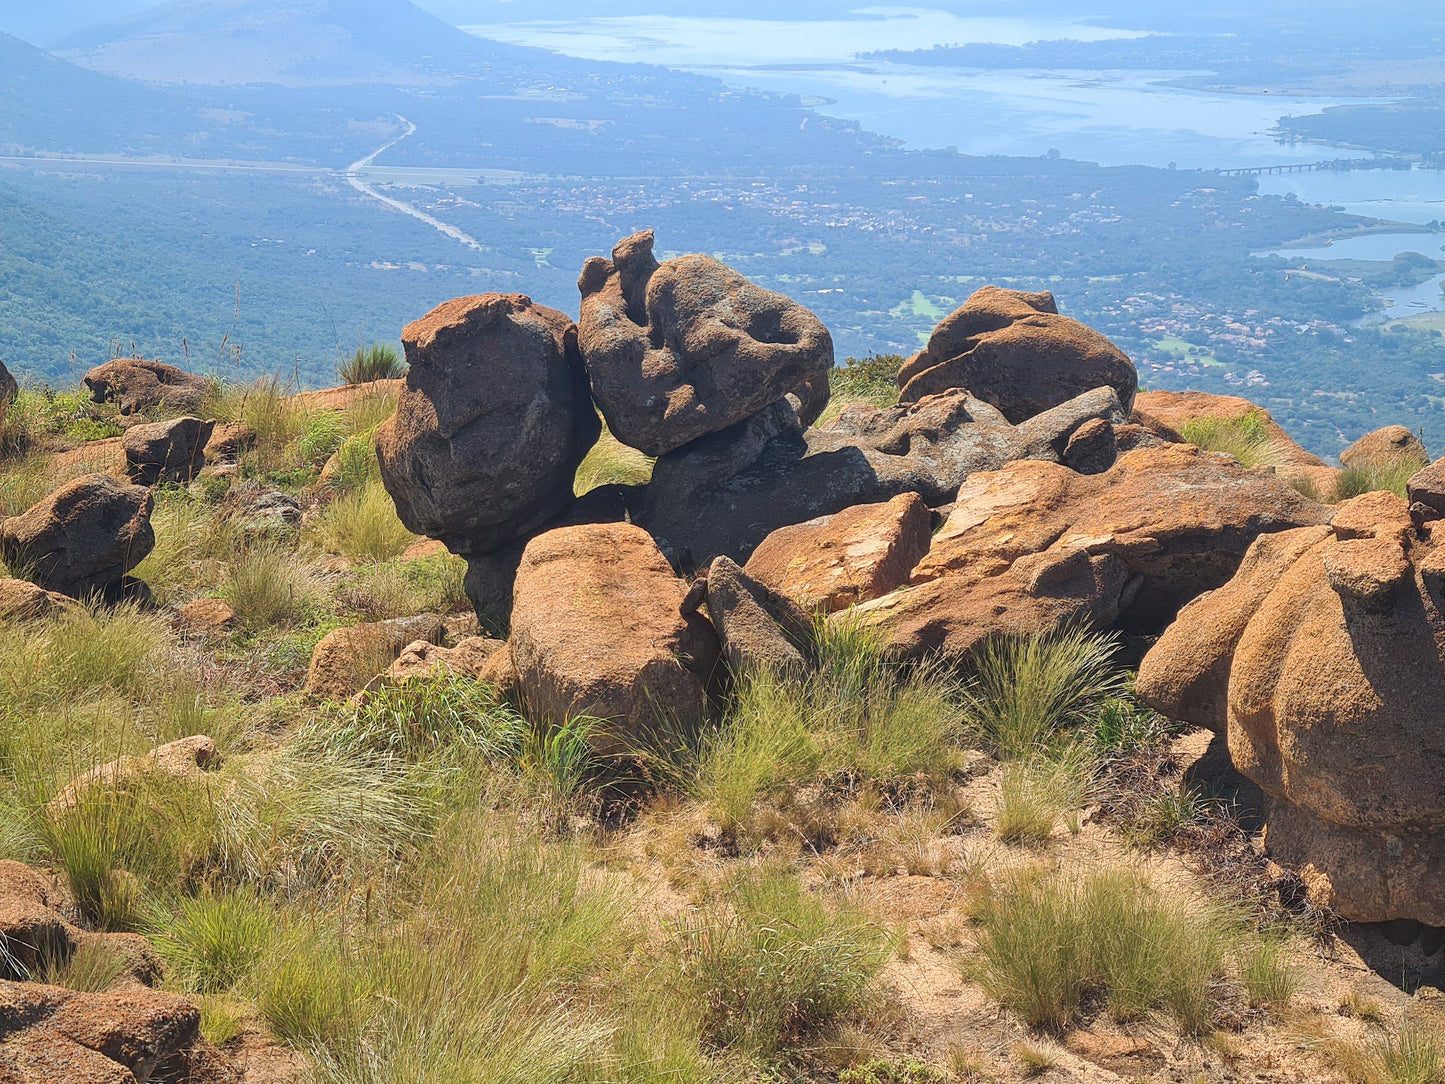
(1110, 117)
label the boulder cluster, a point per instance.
(1020, 483)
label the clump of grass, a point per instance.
(1265, 970)
(1246, 437)
(1362, 1007)
(1028, 691)
(1049, 945)
(771, 964)
(93, 967)
(81, 653)
(1034, 1057)
(870, 381)
(1034, 796)
(363, 526)
(270, 587)
(856, 716)
(1388, 475)
(193, 540)
(424, 717)
(1413, 1054)
(610, 462)
(375, 361)
(211, 942)
(307, 989)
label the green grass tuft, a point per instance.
(375, 361)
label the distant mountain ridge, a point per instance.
(287, 42)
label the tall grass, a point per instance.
(1050, 945)
(375, 361)
(270, 587)
(1036, 795)
(1389, 475)
(1028, 692)
(1246, 437)
(1412, 1054)
(773, 965)
(867, 381)
(363, 526)
(211, 942)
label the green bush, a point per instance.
(270, 587)
(363, 526)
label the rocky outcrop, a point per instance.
(83, 538)
(1035, 544)
(833, 562)
(140, 386)
(169, 451)
(1426, 491)
(598, 630)
(678, 350)
(1322, 662)
(1392, 444)
(725, 493)
(126, 1036)
(1012, 349)
(491, 424)
(346, 660)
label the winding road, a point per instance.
(357, 181)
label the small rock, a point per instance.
(168, 451)
(21, 600)
(207, 616)
(347, 659)
(759, 628)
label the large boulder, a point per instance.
(138, 386)
(1012, 349)
(723, 494)
(681, 349)
(1387, 446)
(852, 556)
(126, 1036)
(598, 629)
(81, 539)
(1322, 663)
(168, 451)
(1035, 543)
(491, 425)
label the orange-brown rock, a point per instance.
(1426, 491)
(492, 423)
(228, 441)
(50, 1035)
(1336, 674)
(1012, 349)
(347, 395)
(1393, 443)
(21, 600)
(139, 385)
(167, 451)
(83, 538)
(598, 630)
(347, 659)
(681, 349)
(424, 659)
(186, 759)
(833, 562)
(206, 616)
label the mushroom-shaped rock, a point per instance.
(836, 561)
(598, 629)
(723, 494)
(1327, 679)
(168, 451)
(491, 424)
(1159, 528)
(1013, 349)
(83, 538)
(685, 348)
(138, 385)
(1392, 444)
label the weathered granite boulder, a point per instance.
(138, 386)
(21, 600)
(685, 348)
(168, 451)
(836, 561)
(491, 425)
(9, 389)
(723, 494)
(1322, 662)
(83, 538)
(598, 629)
(1392, 444)
(1012, 349)
(759, 629)
(1034, 544)
(1426, 491)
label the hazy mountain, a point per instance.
(290, 42)
(47, 103)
